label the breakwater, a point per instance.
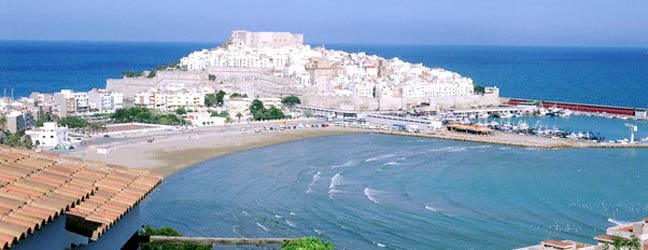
(583, 107)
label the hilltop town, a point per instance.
(219, 85)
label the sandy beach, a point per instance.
(168, 154)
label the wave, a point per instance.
(278, 216)
(433, 209)
(618, 222)
(316, 178)
(293, 213)
(391, 163)
(336, 180)
(378, 244)
(263, 227)
(379, 157)
(453, 149)
(448, 149)
(290, 223)
(371, 194)
(245, 213)
(346, 164)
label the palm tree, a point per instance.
(239, 115)
(3, 122)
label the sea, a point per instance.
(368, 191)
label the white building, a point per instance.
(244, 38)
(49, 136)
(69, 102)
(331, 72)
(201, 119)
(104, 101)
(172, 98)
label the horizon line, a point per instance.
(340, 43)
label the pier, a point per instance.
(584, 107)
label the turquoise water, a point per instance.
(367, 191)
(611, 129)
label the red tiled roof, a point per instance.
(557, 243)
(604, 238)
(35, 188)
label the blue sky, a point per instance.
(443, 22)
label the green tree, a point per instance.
(212, 77)
(131, 74)
(18, 140)
(167, 231)
(3, 122)
(239, 115)
(220, 98)
(73, 122)
(181, 111)
(290, 101)
(257, 105)
(152, 74)
(144, 115)
(634, 243)
(308, 113)
(39, 123)
(309, 243)
(479, 89)
(210, 100)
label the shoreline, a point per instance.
(173, 153)
(507, 139)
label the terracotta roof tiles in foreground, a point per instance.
(36, 188)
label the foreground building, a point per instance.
(625, 233)
(53, 202)
(49, 136)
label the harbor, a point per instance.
(538, 124)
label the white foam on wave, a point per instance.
(336, 180)
(346, 164)
(391, 163)
(433, 209)
(379, 157)
(316, 178)
(448, 149)
(453, 149)
(290, 223)
(245, 213)
(618, 222)
(371, 194)
(264, 228)
(278, 216)
(378, 244)
(293, 213)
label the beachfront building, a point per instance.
(169, 98)
(105, 101)
(69, 102)
(51, 135)
(202, 119)
(53, 202)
